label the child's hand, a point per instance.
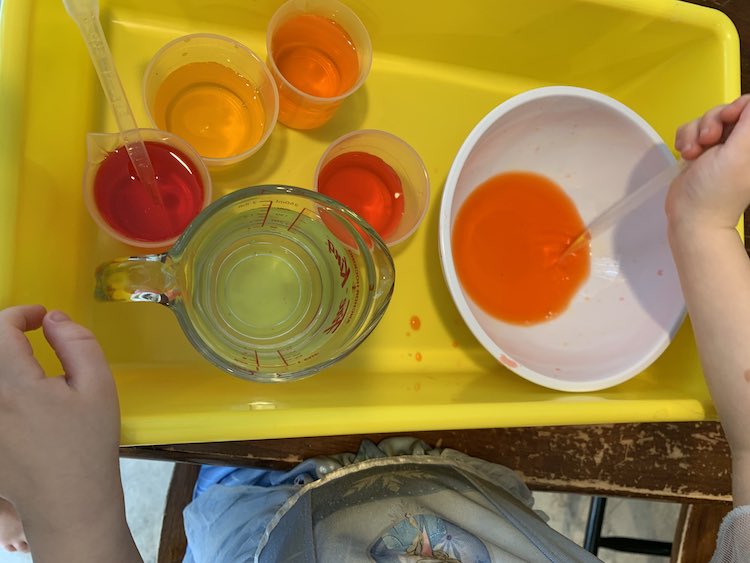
(714, 190)
(59, 436)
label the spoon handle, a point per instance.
(85, 13)
(634, 199)
(625, 205)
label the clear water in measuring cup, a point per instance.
(272, 286)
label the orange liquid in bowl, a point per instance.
(507, 239)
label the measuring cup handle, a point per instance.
(137, 278)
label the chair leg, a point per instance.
(695, 536)
(593, 539)
(173, 543)
(594, 524)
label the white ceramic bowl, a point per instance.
(630, 307)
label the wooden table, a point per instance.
(682, 462)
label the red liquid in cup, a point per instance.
(366, 185)
(129, 207)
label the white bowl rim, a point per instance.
(446, 253)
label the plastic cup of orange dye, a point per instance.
(319, 53)
(213, 92)
(378, 176)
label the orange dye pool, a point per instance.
(316, 55)
(507, 240)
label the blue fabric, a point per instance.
(233, 502)
(245, 499)
(400, 500)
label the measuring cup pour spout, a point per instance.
(270, 283)
(385, 274)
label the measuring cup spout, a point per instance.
(385, 277)
(138, 278)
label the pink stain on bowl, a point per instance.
(508, 362)
(659, 273)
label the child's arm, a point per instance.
(703, 207)
(59, 441)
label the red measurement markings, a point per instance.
(344, 269)
(339, 318)
(263, 224)
(282, 357)
(296, 219)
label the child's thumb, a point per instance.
(76, 347)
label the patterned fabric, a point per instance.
(400, 501)
(733, 541)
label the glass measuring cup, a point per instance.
(270, 283)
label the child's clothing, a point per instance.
(400, 501)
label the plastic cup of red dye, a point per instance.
(379, 177)
(126, 209)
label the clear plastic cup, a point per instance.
(213, 92)
(319, 53)
(124, 208)
(380, 177)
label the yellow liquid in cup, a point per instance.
(212, 107)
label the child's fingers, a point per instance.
(22, 318)
(711, 127)
(731, 112)
(15, 349)
(686, 140)
(738, 142)
(79, 352)
(686, 135)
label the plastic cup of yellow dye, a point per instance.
(213, 92)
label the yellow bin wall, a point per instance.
(437, 70)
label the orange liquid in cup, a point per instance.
(212, 107)
(507, 240)
(318, 57)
